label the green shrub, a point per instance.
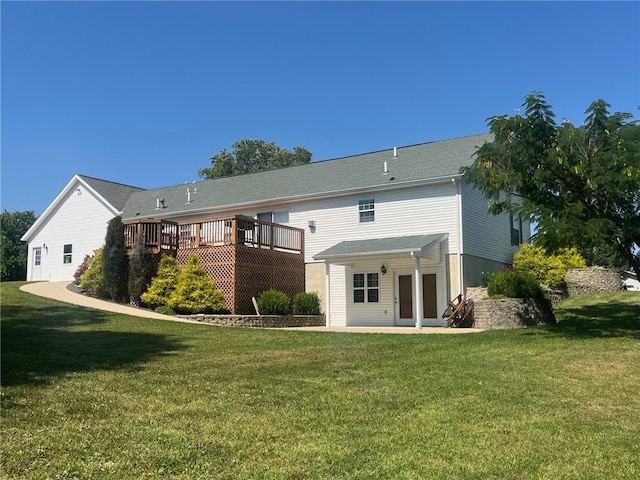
(195, 291)
(164, 310)
(514, 284)
(140, 270)
(81, 269)
(306, 304)
(92, 280)
(163, 284)
(548, 269)
(274, 302)
(115, 262)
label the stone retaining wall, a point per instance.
(508, 312)
(264, 321)
(593, 280)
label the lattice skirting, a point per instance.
(243, 272)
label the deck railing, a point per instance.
(158, 235)
(161, 235)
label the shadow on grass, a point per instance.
(42, 343)
(598, 316)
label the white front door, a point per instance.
(36, 267)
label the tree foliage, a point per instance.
(249, 156)
(13, 251)
(580, 184)
(116, 268)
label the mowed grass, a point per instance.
(91, 395)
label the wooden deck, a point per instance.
(244, 256)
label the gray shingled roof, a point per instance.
(415, 163)
(373, 246)
(116, 194)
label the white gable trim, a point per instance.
(72, 185)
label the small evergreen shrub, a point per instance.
(549, 270)
(163, 284)
(274, 302)
(514, 284)
(92, 280)
(306, 304)
(164, 310)
(195, 291)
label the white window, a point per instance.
(275, 217)
(366, 209)
(37, 256)
(66, 258)
(365, 291)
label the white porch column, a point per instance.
(418, 291)
(327, 294)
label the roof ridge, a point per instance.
(108, 181)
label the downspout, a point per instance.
(459, 227)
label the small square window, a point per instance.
(369, 291)
(366, 209)
(67, 253)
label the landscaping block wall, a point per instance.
(593, 280)
(264, 321)
(508, 312)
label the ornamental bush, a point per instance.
(163, 284)
(306, 304)
(549, 270)
(195, 291)
(92, 280)
(274, 302)
(514, 284)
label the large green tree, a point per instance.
(249, 156)
(580, 184)
(13, 251)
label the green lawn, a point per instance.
(88, 394)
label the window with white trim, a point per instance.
(38, 256)
(66, 258)
(366, 210)
(365, 288)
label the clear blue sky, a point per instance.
(145, 93)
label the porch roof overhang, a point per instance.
(351, 250)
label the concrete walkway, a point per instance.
(59, 291)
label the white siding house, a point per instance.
(390, 236)
(74, 225)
